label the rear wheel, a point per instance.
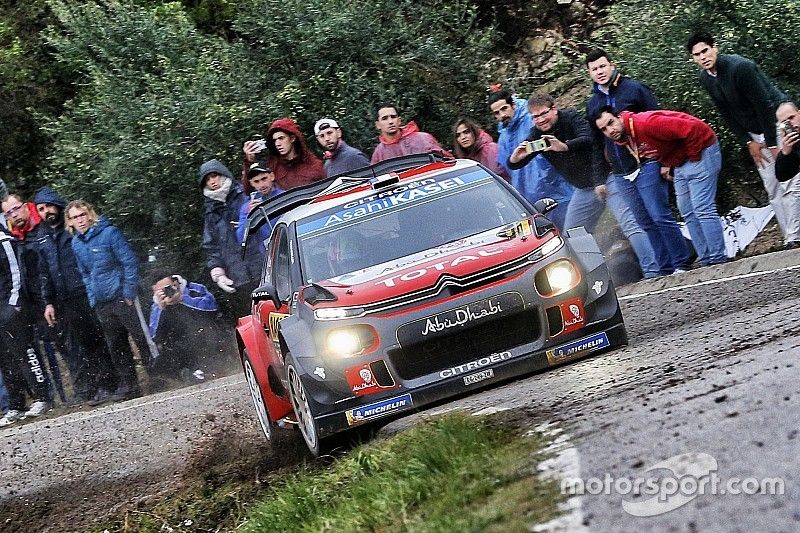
(270, 431)
(302, 409)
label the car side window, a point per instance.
(280, 267)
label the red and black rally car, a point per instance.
(411, 281)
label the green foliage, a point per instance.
(651, 39)
(156, 97)
(457, 473)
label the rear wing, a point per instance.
(286, 201)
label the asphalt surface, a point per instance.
(711, 377)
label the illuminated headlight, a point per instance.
(557, 278)
(546, 249)
(346, 342)
(337, 313)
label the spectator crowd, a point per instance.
(69, 279)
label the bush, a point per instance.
(156, 98)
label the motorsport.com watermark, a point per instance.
(674, 482)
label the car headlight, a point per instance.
(557, 278)
(546, 249)
(338, 313)
(346, 342)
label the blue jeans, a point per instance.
(585, 209)
(696, 190)
(648, 198)
(4, 404)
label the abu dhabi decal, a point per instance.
(378, 409)
(577, 348)
(399, 196)
(362, 380)
(476, 365)
(573, 314)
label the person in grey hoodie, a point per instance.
(339, 156)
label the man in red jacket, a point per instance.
(395, 140)
(292, 161)
(690, 146)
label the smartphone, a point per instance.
(536, 146)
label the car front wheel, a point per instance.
(258, 399)
(302, 409)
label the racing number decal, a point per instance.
(274, 318)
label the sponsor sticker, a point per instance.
(573, 315)
(577, 348)
(479, 376)
(362, 380)
(274, 318)
(378, 409)
(460, 318)
(475, 365)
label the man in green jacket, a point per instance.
(747, 100)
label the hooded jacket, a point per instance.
(538, 179)
(107, 263)
(410, 141)
(212, 166)
(60, 277)
(304, 169)
(624, 94)
(676, 137)
(220, 222)
(484, 151)
(744, 96)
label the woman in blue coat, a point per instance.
(110, 271)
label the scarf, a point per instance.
(220, 194)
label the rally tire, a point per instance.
(262, 414)
(302, 409)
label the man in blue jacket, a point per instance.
(747, 101)
(534, 181)
(110, 271)
(637, 178)
(184, 324)
(67, 308)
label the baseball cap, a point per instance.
(257, 168)
(324, 124)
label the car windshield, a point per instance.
(410, 217)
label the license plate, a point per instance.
(478, 376)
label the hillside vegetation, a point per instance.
(120, 101)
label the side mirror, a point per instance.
(545, 205)
(266, 292)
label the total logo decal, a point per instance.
(576, 348)
(475, 365)
(362, 381)
(378, 409)
(440, 266)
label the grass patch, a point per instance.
(454, 473)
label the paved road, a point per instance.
(712, 370)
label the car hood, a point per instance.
(424, 269)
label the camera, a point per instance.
(536, 146)
(261, 145)
(787, 127)
(169, 291)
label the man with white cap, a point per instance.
(340, 157)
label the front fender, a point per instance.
(266, 360)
